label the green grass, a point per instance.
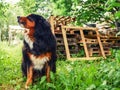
(77, 75)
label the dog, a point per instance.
(39, 48)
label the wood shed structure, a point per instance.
(13, 31)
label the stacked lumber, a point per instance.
(95, 40)
(72, 43)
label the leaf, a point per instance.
(91, 87)
(43, 79)
(104, 83)
(117, 14)
(51, 85)
(115, 4)
(52, 76)
(17, 87)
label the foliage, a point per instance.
(10, 66)
(61, 7)
(82, 75)
(28, 6)
(77, 75)
(8, 16)
(35, 6)
(113, 6)
(85, 11)
(3, 18)
(88, 10)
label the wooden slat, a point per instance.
(66, 43)
(84, 43)
(84, 58)
(77, 28)
(100, 44)
(51, 20)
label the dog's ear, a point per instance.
(46, 23)
(40, 19)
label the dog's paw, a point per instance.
(26, 87)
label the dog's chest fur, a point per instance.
(28, 41)
(38, 62)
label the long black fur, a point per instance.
(44, 42)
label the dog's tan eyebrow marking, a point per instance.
(28, 23)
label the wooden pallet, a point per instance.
(57, 21)
(84, 41)
(95, 51)
(71, 39)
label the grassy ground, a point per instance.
(78, 75)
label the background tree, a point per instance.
(28, 6)
(8, 14)
(113, 8)
(88, 10)
(3, 18)
(61, 7)
(85, 11)
(41, 7)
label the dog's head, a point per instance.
(26, 22)
(33, 21)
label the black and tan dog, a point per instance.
(39, 50)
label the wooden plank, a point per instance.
(85, 59)
(77, 28)
(87, 42)
(51, 20)
(66, 43)
(84, 43)
(100, 44)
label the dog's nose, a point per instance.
(18, 17)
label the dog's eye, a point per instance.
(23, 23)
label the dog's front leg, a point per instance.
(48, 72)
(29, 76)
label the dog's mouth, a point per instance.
(22, 25)
(26, 31)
